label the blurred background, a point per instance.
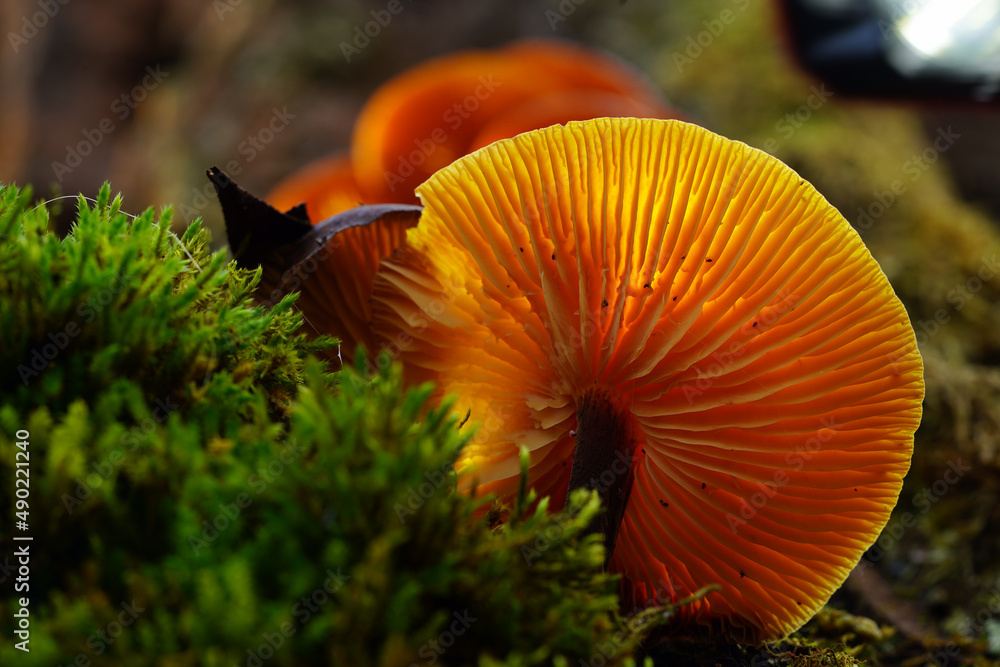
(149, 94)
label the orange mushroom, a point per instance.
(432, 114)
(681, 322)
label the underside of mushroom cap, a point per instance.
(335, 281)
(768, 374)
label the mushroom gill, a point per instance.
(747, 360)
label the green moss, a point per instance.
(123, 301)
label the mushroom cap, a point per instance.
(768, 373)
(432, 114)
(561, 106)
(334, 278)
(326, 186)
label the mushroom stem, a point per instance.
(602, 461)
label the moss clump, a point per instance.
(201, 492)
(123, 301)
